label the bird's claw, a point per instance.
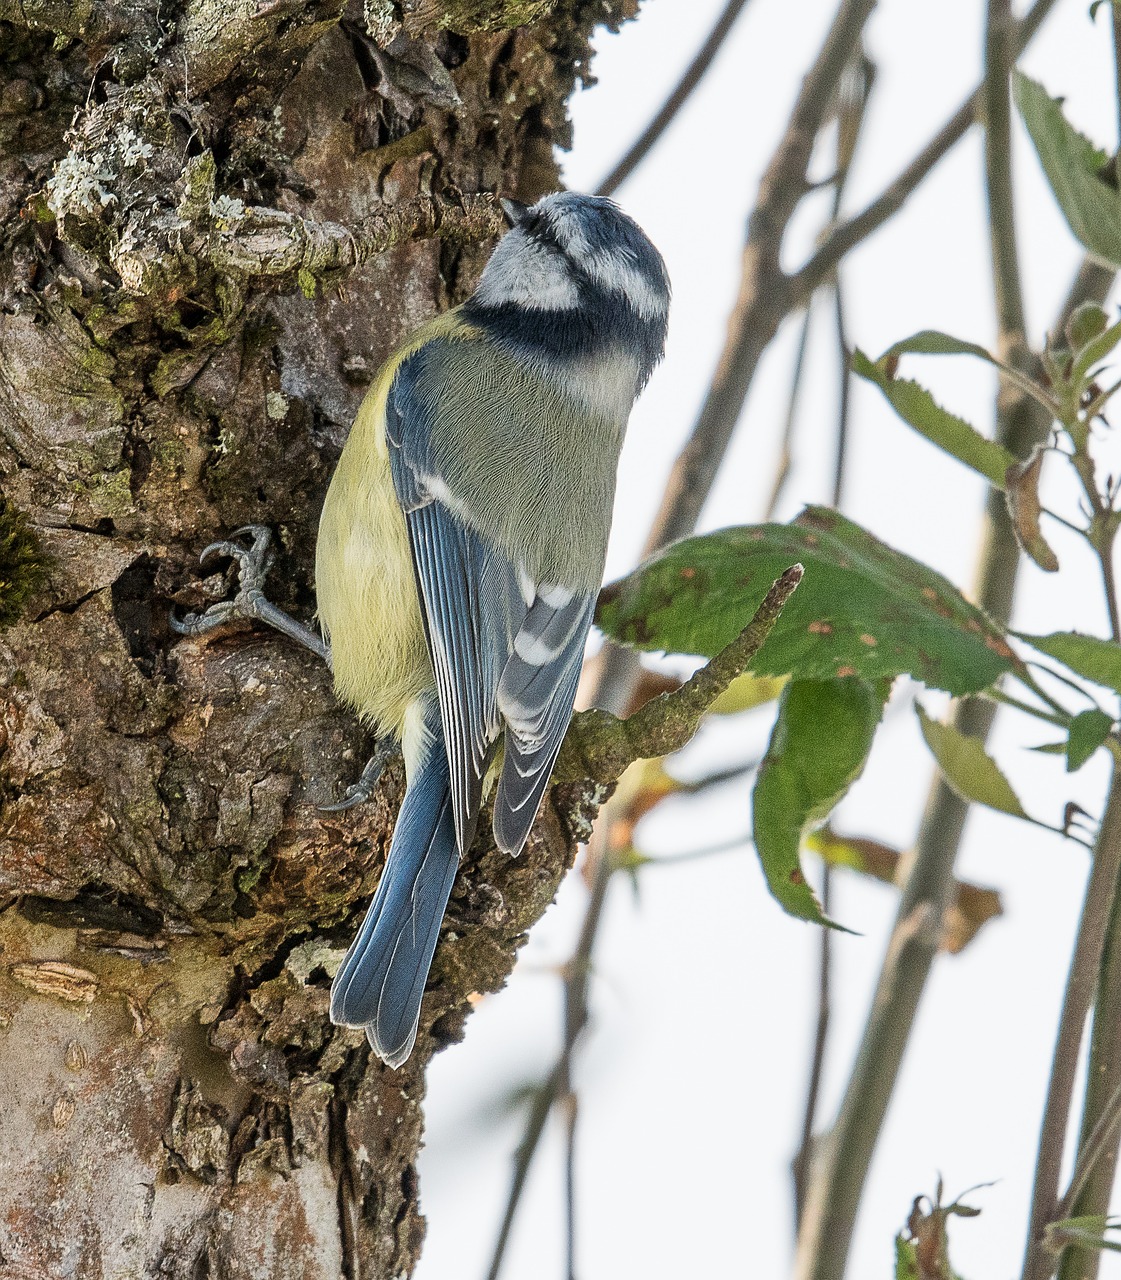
(253, 565)
(361, 790)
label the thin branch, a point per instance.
(1039, 1261)
(1093, 1149)
(599, 746)
(556, 1085)
(804, 1159)
(855, 230)
(693, 75)
(786, 450)
(766, 296)
(1096, 1161)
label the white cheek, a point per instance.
(619, 277)
(527, 276)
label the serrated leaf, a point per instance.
(862, 608)
(1075, 169)
(1096, 659)
(968, 768)
(1025, 509)
(918, 408)
(1088, 730)
(818, 749)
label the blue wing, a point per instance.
(506, 651)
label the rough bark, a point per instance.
(193, 196)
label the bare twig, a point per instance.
(599, 746)
(858, 228)
(692, 77)
(766, 296)
(1039, 1261)
(786, 448)
(1095, 1146)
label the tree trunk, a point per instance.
(216, 220)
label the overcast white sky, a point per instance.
(692, 1077)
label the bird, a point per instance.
(460, 551)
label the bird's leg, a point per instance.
(253, 565)
(359, 792)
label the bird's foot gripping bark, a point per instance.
(253, 565)
(360, 791)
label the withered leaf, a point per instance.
(1022, 495)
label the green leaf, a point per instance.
(917, 407)
(1095, 659)
(1088, 730)
(906, 1259)
(861, 609)
(968, 768)
(818, 747)
(932, 342)
(1076, 170)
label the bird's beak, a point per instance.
(514, 210)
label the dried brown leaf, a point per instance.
(1022, 496)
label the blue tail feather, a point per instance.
(381, 981)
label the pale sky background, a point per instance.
(692, 1077)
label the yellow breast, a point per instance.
(364, 578)
(364, 582)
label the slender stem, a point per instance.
(845, 393)
(1039, 1262)
(557, 1084)
(681, 92)
(852, 232)
(1096, 1161)
(538, 1115)
(1109, 581)
(1006, 700)
(1093, 1149)
(803, 1161)
(786, 455)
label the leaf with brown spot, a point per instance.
(856, 591)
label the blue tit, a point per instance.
(460, 552)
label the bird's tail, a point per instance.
(381, 980)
